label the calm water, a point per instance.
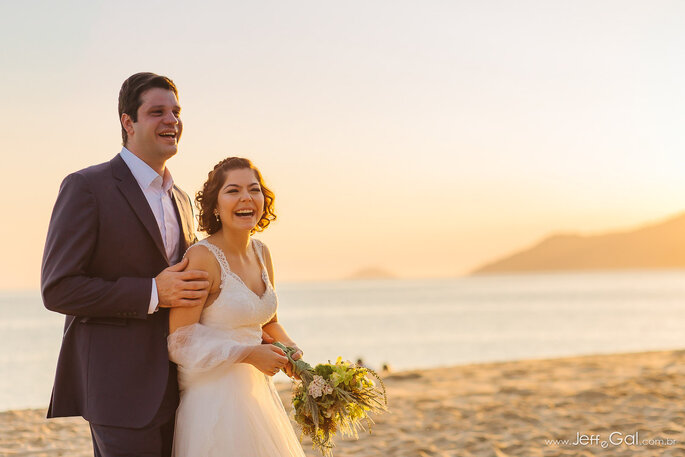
(412, 324)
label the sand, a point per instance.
(495, 409)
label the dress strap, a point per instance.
(259, 250)
(218, 253)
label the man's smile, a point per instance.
(169, 136)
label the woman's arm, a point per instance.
(198, 259)
(273, 328)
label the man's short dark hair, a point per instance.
(132, 90)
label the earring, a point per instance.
(216, 214)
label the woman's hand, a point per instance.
(266, 338)
(267, 358)
(296, 356)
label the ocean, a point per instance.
(411, 323)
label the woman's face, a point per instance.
(240, 201)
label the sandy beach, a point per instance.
(609, 405)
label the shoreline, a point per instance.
(500, 409)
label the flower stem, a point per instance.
(299, 366)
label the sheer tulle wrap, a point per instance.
(198, 348)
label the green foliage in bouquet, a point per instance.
(333, 398)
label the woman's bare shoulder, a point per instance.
(201, 258)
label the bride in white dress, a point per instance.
(229, 406)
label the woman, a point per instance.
(229, 405)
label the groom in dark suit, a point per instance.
(116, 234)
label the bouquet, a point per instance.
(333, 397)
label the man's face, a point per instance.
(156, 133)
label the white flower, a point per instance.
(319, 387)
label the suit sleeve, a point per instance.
(65, 284)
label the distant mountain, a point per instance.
(657, 245)
(372, 273)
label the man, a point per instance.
(116, 234)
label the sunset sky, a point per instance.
(421, 137)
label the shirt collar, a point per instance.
(144, 174)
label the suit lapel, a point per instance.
(185, 213)
(136, 199)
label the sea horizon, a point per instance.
(412, 324)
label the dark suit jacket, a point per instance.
(102, 249)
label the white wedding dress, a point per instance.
(229, 408)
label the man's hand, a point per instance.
(176, 287)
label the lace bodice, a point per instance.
(237, 308)
(228, 328)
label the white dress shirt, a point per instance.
(157, 191)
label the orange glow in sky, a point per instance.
(423, 139)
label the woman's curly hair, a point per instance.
(206, 199)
